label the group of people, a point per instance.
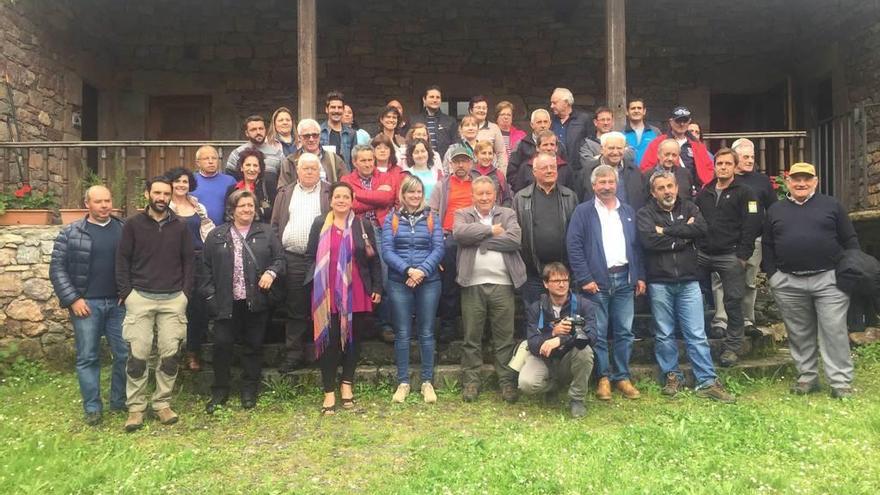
(437, 218)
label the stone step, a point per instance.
(381, 353)
(775, 364)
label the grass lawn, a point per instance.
(769, 442)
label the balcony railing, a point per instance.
(774, 151)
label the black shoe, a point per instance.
(470, 392)
(842, 393)
(387, 334)
(214, 404)
(248, 399)
(717, 332)
(728, 359)
(578, 409)
(93, 418)
(804, 388)
(509, 393)
(753, 331)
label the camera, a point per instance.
(578, 324)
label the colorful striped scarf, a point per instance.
(341, 287)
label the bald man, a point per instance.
(212, 183)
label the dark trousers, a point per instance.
(450, 293)
(196, 313)
(333, 355)
(250, 328)
(733, 280)
(298, 304)
(495, 304)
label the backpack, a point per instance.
(395, 223)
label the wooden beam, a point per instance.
(615, 60)
(307, 55)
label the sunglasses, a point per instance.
(313, 135)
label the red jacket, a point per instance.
(379, 201)
(702, 158)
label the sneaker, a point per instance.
(167, 416)
(716, 392)
(470, 392)
(728, 359)
(627, 389)
(134, 422)
(578, 409)
(716, 332)
(673, 385)
(804, 388)
(841, 393)
(401, 393)
(509, 393)
(603, 389)
(93, 418)
(428, 393)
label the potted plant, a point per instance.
(27, 207)
(69, 215)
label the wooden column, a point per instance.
(615, 59)
(307, 54)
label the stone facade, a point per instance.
(30, 316)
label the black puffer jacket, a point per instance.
(71, 260)
(216, 276)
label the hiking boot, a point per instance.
(509, 393)
(627, 389)
(578, 408)
(167, 416)
(214, 404)
(603, 389)
(716, 332)
(804, 388)
(673, 385)
(470, 392)
(728, 359)
(716, 392)
(134, 422)
(841, 393)
(401, 393)
(93, 418)
(428, 393)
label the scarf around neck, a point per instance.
(339, 289)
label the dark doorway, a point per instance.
(89, 123)
(176, 118)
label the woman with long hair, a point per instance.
(418, 154)
(418, 130)
(280, 132)
(488, 131)
(389, 123)
(346, 283)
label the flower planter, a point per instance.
(70, 215)
(26, 217)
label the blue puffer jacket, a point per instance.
(71, 260)
(412, 246)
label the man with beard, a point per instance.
(341, 137)
(255, 132)
(442, 129)
(154, 277)
(668, 228)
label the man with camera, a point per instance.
(560, 332)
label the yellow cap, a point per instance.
(802, 168)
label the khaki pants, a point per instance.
(146, 320)
(539, 375)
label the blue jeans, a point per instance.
(614, 308)
(681, 302)
(382, 313)
(423, 301)
(105, 319)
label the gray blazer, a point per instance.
(471, 235)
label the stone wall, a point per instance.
(30, 317)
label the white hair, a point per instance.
(537, 112)
(566, 95)
(304, 123)
(742, 143)
(308, 157)
(612, 135)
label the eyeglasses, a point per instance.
(313, 135)
(558, 281)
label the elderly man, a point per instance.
(546, 142)
(694, 155)
(804, 236)
(543, 210)
(154, 278)
(734, 217)
(338, 136)
(630, 182)
(638, 132)
(489, 268)
(212, 184)
(82, 272)
(255, 132)
(606, 261)
(332, 168)
(668, 228)
(759, 183)
(527, 147)
(296, 206)
(559, 353)
(451, 194)
(569, 124)
(669, 160)
(442, 129)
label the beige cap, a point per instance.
(802, 168)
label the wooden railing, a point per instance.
(774, 151)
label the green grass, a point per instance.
(769, 442)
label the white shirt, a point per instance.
(613, 240)
(307, 205)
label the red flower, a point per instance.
(25, 189)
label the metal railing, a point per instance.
(775, 151)
(61, 165)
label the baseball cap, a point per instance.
(802, 168)
(680, 113)
(461, 150)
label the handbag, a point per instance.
(368, 246)
(275, 294)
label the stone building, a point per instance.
(114, 70)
